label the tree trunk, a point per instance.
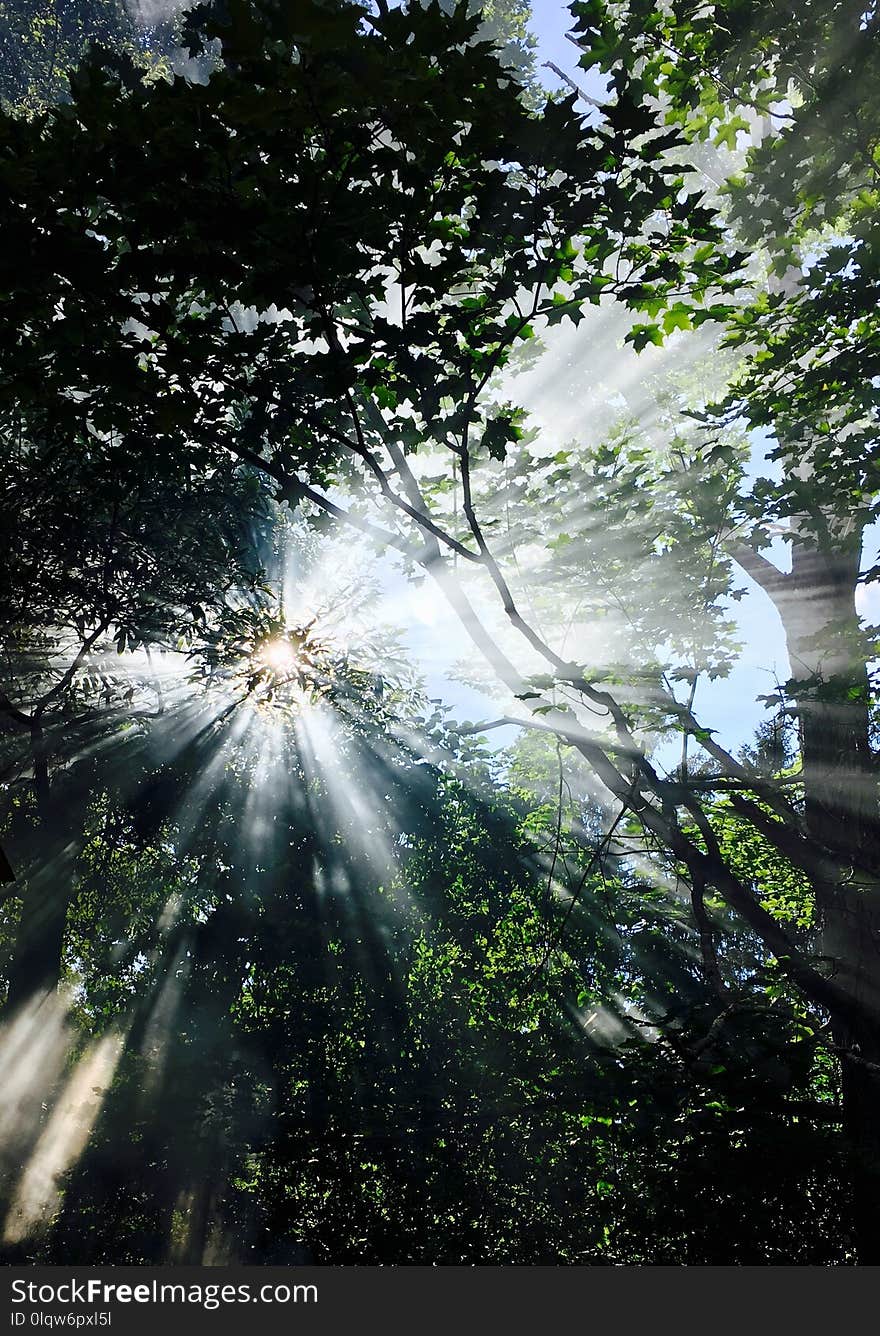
(828, 666)
(860, 1070)
(831, 698)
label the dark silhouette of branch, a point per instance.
(7, 873)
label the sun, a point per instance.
(279, 655)
(289, 667)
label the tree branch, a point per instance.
(14, 713)
(773, 581)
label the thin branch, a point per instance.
(601, 849)
(71, 672)
(795, 847)
(292, 490)
(707, 936)
(566, 78)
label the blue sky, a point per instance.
(550, 20)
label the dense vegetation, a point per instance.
(299, 965)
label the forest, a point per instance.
(438, 619)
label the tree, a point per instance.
(807, 195)
(370, 222)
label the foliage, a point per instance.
(41, 46)
(317, 1075)
(259, 344)
(802, 82)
